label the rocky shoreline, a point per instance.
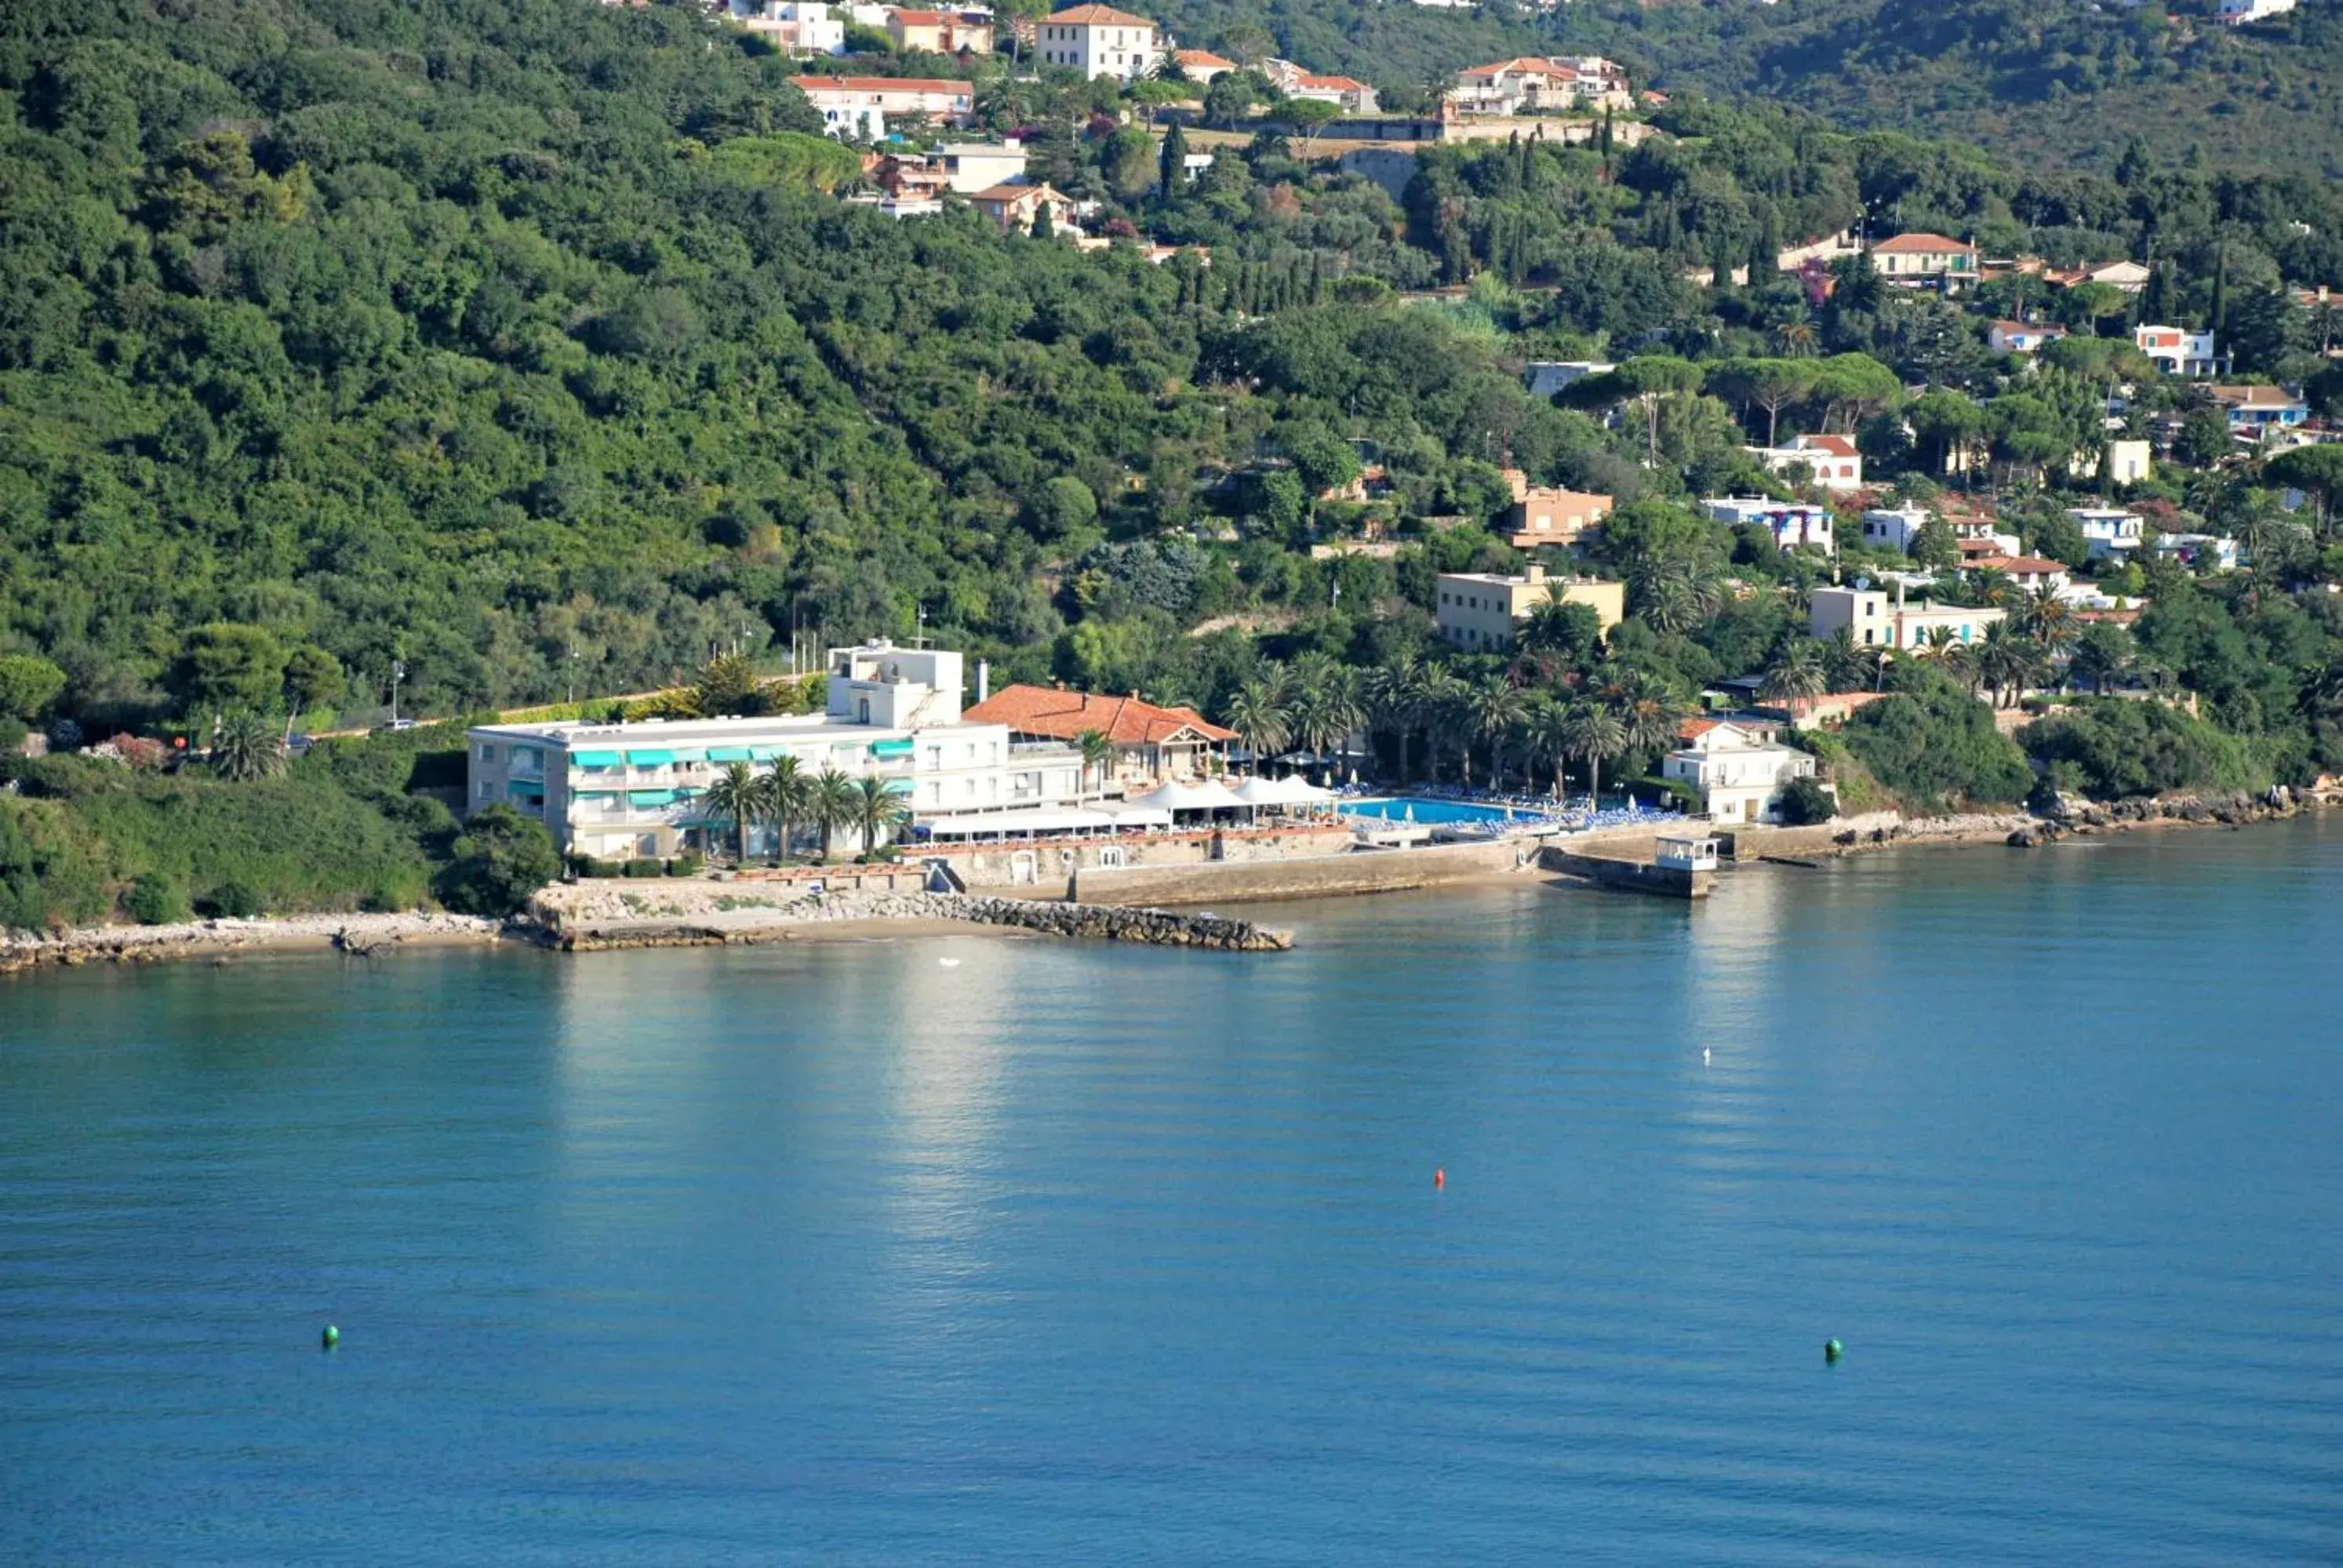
(590, 923)
(2075, 816)
(362, 936)
(567, 921)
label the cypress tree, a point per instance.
(1173, 168)
(2219, 314)
(1317, 278)
(1041, 226)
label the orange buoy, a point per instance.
(1439, 1178)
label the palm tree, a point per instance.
(1324, 706)
(1847, 666)
(1440, 715)
(1798, 671)
(831, 804)
(1596, 736)
(878, 812)
(737, 797)
(1547, 733)
(787, 796)
(1256, 711)
(1395, 700)
(245, 747)
(1098, 754)
(1648, 709)
(1797, 338)
(2100, 655)
(1674, 596)
(1493, 707)
(1992, 586)
(2004, 660)
(1942, 640)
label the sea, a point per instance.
(1492, 1226)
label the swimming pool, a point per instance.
(1430, 812)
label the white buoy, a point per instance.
(948, 963)
(1704, 1056)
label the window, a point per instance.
(488, 791)
(487, 753)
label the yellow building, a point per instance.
(1481, 610)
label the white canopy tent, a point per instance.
(1288, 791)
(1019, 824)
(1204, 796)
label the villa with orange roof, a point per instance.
(1201, 66)
(1915, 259)
(865, 106)
(1528, 83)
(1099, 41)
(1150, 742)
(940, 32)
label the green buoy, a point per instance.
(1832, 1350)
(333, 1336)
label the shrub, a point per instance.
(684, 866)
(1805, 801)
(153, 900)
(49, 868)
(641, 869)
(234, 900)
(1932, 741)
(2111, 749)
(502, 857)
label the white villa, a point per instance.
(1873, 619)
(2109, 531)
(1834, 461)
(618, 791)
(1792, 522)
(1740, 769)
(1099, 41)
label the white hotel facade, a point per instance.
(621, 792)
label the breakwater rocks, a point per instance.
(2233, 809)
(360, 935)
(585, 922)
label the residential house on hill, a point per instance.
(1919, 258)
(1483, 610)
(1201, 66)
(796, 29)
(1793, 524)
(1872, 618)
(2176, 351)
(940, 32)
(2109, 530)
(1152, 742)
(1834, 462)
(2023, 336)
(1101, 41)
(2131, 276)
(2031, 572)
(1528, 83)
(2258, 409)
(1013, 207)
(1543, 514)
(853, 105)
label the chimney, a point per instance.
(1899, 593)
(983, 678)
(1537, 572)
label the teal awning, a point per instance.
(890, 748)
(522, 789)
(594, 760)
(767, 753)
(649, 758)
(900, 786)
(695, 755)
(596, 794)
(730, 754)
(650, 797)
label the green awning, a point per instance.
(900, 786)
(596, 794)
(890, 748)
(523, 789)
(656, 758)
(650, 797)
(730, 754)
(594, 760)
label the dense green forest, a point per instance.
(523, 346)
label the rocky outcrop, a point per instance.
(680, 918)
(360, 935)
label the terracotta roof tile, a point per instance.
(1097, 16)
(1920, 245)
(1062, 715)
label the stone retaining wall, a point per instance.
(1353, 872)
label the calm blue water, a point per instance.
(1429, 812)
(835, 1254)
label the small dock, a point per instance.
(1679, 866)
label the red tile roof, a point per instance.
(1062, 715)
(918, 18)
(1339, 84)
(1098, 15)
(1920, 245)
(1202, 57)
(886, 85)
(1694, 728)
(1836, 446)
